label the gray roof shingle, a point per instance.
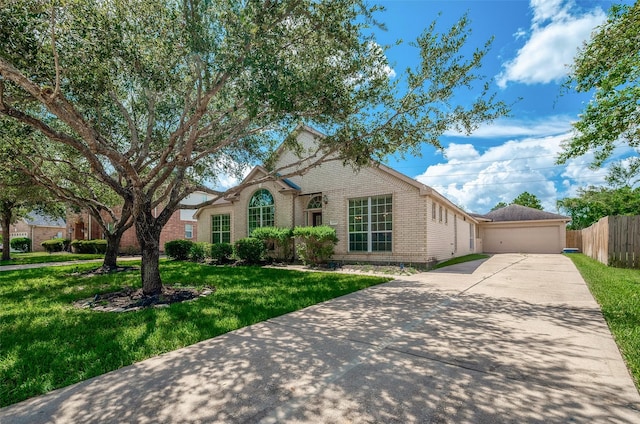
(38, 220)
(522, 213)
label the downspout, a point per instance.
(293, 222)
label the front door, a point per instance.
(316, 219)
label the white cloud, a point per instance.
(513, 128)
(478, 181)
(556, 34)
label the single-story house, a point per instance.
(38, 228)
(519, 229)
(379, 214)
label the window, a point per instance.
(188, 231)
(261, 210)
(221, 228)
(433, 211)
(446, 216)
(370, 224)
(315, 203)
(440, 214)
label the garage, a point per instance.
(519, 229)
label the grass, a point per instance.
(461, 259)
(43, 257)
(46, 343)
(617, 290)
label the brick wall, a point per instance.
(417, 238)
(37, 234)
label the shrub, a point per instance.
(199, 251)
(315, 245)
(89, 246)
(221, 252)
(22, 244)
(278, 241)
(178, 249)
(249, 249)
(55, 245)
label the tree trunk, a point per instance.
(111, 255)
(6, 228)
(148, 233)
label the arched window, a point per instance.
(315, 203)
(261, 210)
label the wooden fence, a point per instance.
(614, 241)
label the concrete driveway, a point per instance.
(516, 338)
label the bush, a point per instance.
(278, 242)
(89, 246)
(199, 251)
(55, 245)
(315, 245)
(221, 252)
(178, 249)
(22, 244)
(250, 249)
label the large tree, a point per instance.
(56, 174)
(523, 199)
(159, 97)
(527, 199)
(592, 203)
(18, 194)
(608, 65)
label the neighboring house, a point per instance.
(181, 225)
(379, 214)
(38, 228)
(519, 229)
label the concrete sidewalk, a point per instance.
(65, 263)
(517, 338)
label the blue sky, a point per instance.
(534, 42)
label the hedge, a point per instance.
(56, 245)
(315, 245)
(89, 246)
(178, 249)
(221, 252)
(22, 244)
(249, 249)
(278, 241)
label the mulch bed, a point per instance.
(130, 299)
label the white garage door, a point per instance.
(522, 240)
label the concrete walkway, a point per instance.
(516, 338)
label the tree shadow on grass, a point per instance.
(398, 352)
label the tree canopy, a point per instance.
(609, 65)
(18, 194)
(523, 199)
(159, 97)
(593, 203)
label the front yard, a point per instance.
(46, 343)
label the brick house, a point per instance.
(379, 214)
(181, 225)
(38, 228)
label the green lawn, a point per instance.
(43, 257)
(617, 290)
(46, 343)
